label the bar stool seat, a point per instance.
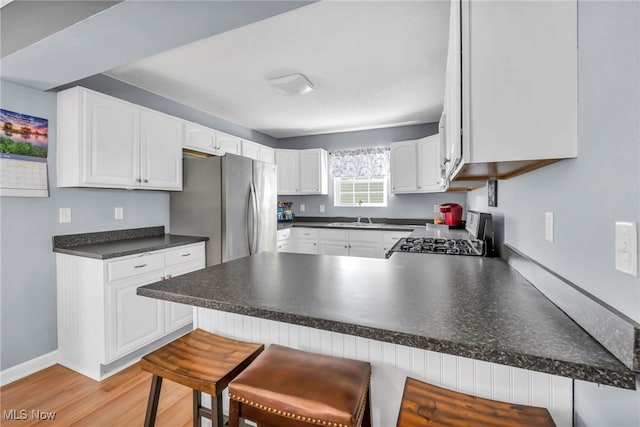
(425, 405)
(202, 361)
(285, 387)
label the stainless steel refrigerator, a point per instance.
(230, 199)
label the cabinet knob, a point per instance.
(315, 244)
(162, 278)
(138, 180)
(146, 180)
(346, 247)
(168, 276)
(394, 188)
(419, 186)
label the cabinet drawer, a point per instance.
(284, 234)
(184, 254)
(137, 266)
(306, 233)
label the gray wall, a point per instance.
(589, 193)
(28, 271)
(398, 206)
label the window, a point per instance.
(360, 191)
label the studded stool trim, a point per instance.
(316, 421)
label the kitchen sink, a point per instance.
(355, 224)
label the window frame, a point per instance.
(337, 180)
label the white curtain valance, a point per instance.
(360, 162)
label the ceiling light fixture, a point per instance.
(292, 84)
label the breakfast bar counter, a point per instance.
(464, 310)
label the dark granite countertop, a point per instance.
(473, 307)
(117, 243)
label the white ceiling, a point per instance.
(374, 64)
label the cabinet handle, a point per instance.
(140, 266)
(419, 186)
(189, 254)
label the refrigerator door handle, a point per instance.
(256, 219)
(250, 220)
(254, 224)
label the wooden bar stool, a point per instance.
(200, 360)
(285, 387)
(425, 405)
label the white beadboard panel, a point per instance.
(392, 363)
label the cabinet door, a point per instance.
(311, 171)
(132, 321)
(429, 172)
(288, 173)
(403, 167)
(267, 154)
(307, 246)
(161, 140)
(112, 142)
(286, 246)
(365, 249)
(250, 150)
(179, 315)
(200, 138)
(333, 247)
(228, 143)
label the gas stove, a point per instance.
(431, 245)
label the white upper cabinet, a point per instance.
(416, 166)
(313, 171)
(403, 167)
(251, 150)
(109, 143)
(229, 143)
(267, 154)
(160, 151)
(288, 172)
(200, 138)
(302, 171)
(519, 86)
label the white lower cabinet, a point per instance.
(286, 242)
(390, 238)
(306, 240)
(102, 322)
(360, 243)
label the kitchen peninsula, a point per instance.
(468, 323)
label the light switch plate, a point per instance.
(302, 207)
(64, 215)
(627, 247)
(321, 208)
(548, 226)
(119, 212)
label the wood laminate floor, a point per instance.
(120, 400)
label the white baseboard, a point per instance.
(27, 368)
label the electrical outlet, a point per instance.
(548, 226)
(436, 208)
(627, 248)
(321, 208)
(302, 207)
(119, 213)
(64, 215)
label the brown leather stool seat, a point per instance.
(200, 360)
(425, 405)
(285, 387)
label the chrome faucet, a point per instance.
(360, 220)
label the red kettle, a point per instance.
(452, 213)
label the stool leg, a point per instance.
(197, 404)
(366, 419)
(152, 405)
(234, 413)
(216, 411)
